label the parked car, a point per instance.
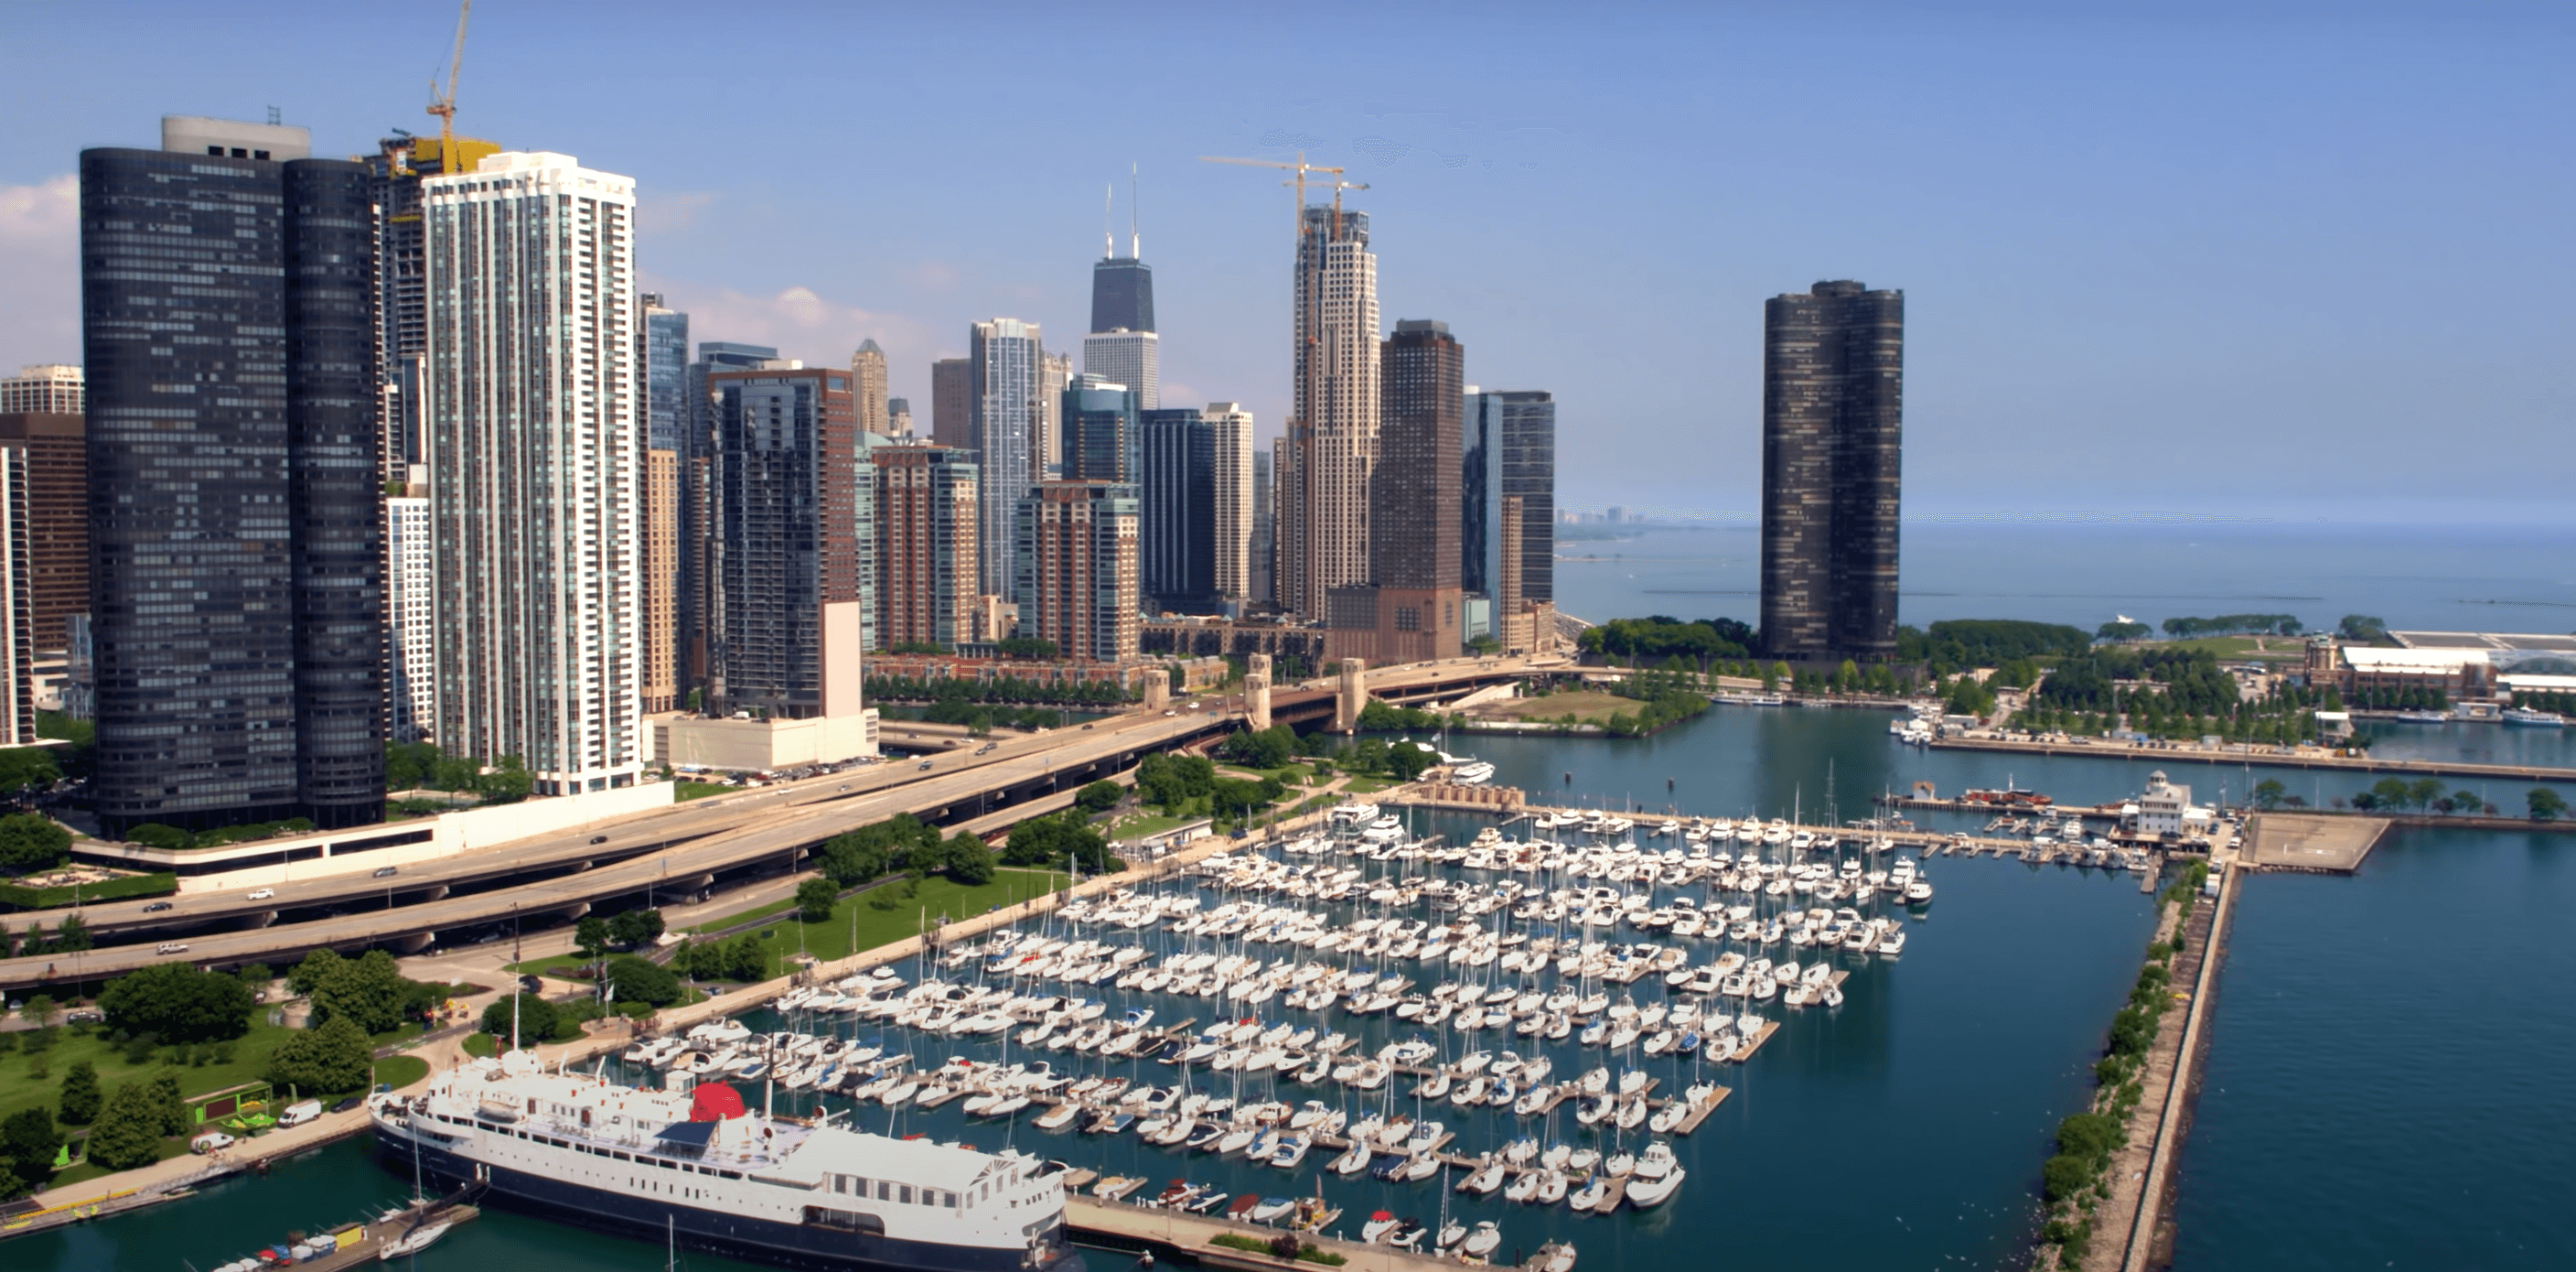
(347, 1103)
(156, 907)
(262, 894)
(387, 872)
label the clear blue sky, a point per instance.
(2307, 261)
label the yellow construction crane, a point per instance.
(443, 105)
(1301, 168)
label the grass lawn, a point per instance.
(2237, 648)
(401, 1071)
(744, 916)
(689, 790)
(85, 1172)
(1141, 824)
(19, 1091)
(1365, 785)
(1289, 774)
(938, 896)
(477, 1044)
(1588, 707)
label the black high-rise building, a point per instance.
(1507, 448)
(1122, 294)
(1833, 391)
(1176, 530)
(236, 528)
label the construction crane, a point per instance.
(1301, 168)
(443, 105)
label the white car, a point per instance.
(171, 947)
(263, 894)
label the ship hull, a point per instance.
(650, 1218)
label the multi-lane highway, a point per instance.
(682, 846)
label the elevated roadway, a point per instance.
(560, 876)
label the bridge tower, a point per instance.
(1353, 697)
(1256, 691)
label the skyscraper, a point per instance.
(1075, 568)
(868, 374)
(1055, 375)
(927, 508)
(1326, 458)
(402, 313)
(1006, 395)
(899, 418)
(1508, 450)
(411, 618)
(57, 491)
(1833, 388)
(1098, 431)
(666, 418)
(1413, 519)
(952, 403)
(233, 446)
(1176, 510)
(536, 435)
(17, 608)
(1126, 357)
(1230, 517)
(700, 604)
(45, 389)
(789, 511)
(1261, 565)
(1122, 287)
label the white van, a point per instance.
(299, 1114)
(210, 1142)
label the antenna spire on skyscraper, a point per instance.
(1108, 237)
(1135, 238)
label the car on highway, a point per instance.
(599, 839)
(387, 872)
(156, 907)
(986, 747)
(262, 894)
(1086, 726)
(171, 947)
(923, 765)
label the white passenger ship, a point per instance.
(714, 1176)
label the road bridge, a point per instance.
(684, 847)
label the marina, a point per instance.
(1531, 1011)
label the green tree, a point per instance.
(2063, 1176)
(169, 1104)
(2467, 802)
(178, 1003)
(635, 929)
(2361, 627)
(72, 934)
(2391, 793)
(590, 937)
(536, 1019)
(638, 980)
(29, 842)
(369, 989)
(128, 1132)
(37, 1010)
(814, 899)
(2545, 804)
(2422, 792)
(29, 1142)
(81, 1096)
(968, 861)
(326, 1059)
(2269, 792)
(507, 783)
(316, 968)
(1099, 797)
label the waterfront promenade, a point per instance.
(2239, 753)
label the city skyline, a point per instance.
(2171, 174)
